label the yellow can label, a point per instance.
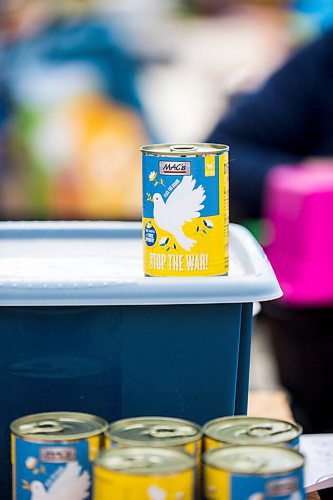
(193, 448)
(122, 486)
(185, 215)
(217, 484)
(108, 443)
(95, 445)
(211, 443)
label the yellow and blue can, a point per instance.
(253, 473)
(185, 209)
(160, 432)
(245, 430)
(144, 473)
(52, 454)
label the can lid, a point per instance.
(191, 149)
(153, 431)
(245, 430)
(58, 426)
(254, 459)
(145, 461)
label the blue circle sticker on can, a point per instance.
(150, 234)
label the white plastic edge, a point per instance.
(260, 284)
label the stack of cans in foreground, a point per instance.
(76, 456)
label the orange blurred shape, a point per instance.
(103, 177)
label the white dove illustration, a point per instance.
(156, 493)
(295, 496)
(70, 485)
(183, 205)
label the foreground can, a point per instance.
(52, 454)
(253, 473)
(245, 430)
(144, 473)
(162, 432)
(185, 209)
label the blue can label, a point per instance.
(294, 443)
(48, 470)
(284, 487)
(221, 485)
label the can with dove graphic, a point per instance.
(185, 209)
(52, 455)
(253, 473)
(244, 430)
(160, 432)
(144, 473)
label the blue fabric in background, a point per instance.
(320, 11)
(289, 119)
(88, 41)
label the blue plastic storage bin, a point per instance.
(82, 329)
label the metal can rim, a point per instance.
(207, 433)
(86, 417)
(207, 460)
(173, 441)
(189, 461)
(188, 150)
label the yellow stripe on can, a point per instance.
(217, 484)
(145, 473)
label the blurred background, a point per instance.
(83, 83)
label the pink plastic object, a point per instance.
(298, 209)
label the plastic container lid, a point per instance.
(101, 263)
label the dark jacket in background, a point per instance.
(290, 118)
